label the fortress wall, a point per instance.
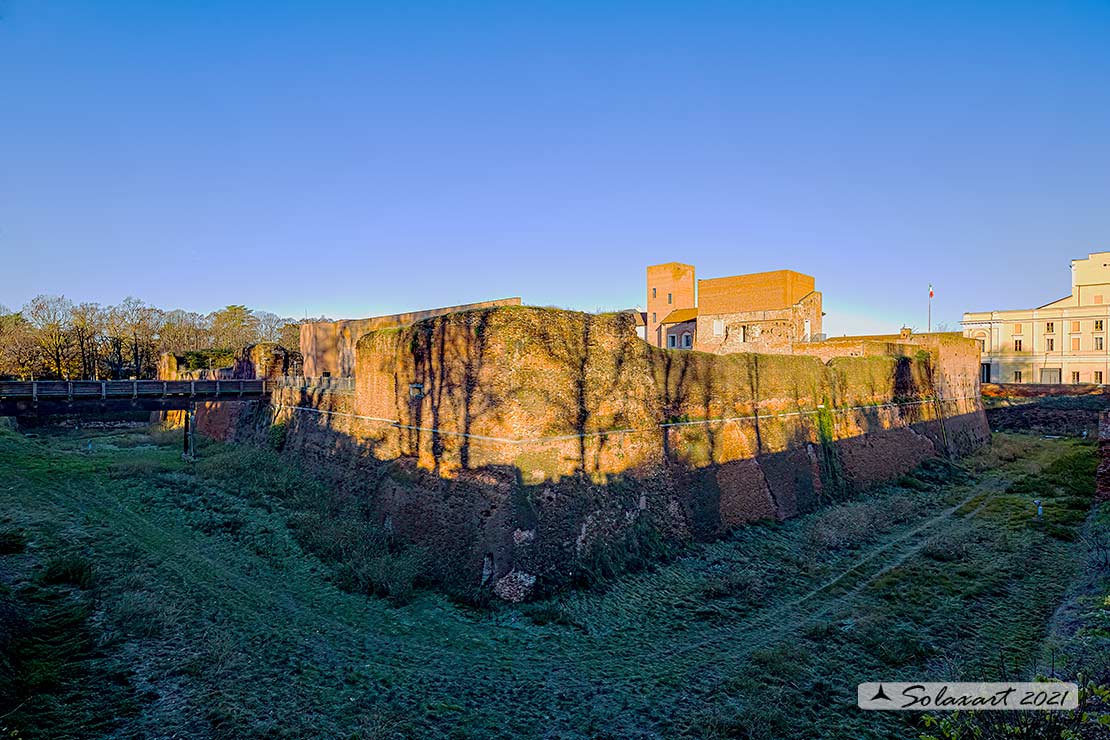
(531, 442)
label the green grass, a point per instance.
(237, 597)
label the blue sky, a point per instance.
(353, 158)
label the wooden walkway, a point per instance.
(22, 398)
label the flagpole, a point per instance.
(930, 308)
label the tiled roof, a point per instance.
(679, 315)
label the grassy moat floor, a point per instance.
(141, 596)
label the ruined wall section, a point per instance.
(328, 347)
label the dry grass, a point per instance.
(215, 610)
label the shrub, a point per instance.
(275, 437)
(12, 541)
(73, 569)
(145, 614)
(745, 583)
(842, 527)
(946, 548)
(390, 574)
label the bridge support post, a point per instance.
(189, 442)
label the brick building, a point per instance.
(760, 312)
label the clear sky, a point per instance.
(354, 158)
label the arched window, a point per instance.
(687, 340)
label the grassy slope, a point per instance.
(202, 616)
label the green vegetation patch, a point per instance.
(238, 596)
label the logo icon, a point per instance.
(880, 694)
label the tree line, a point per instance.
(53, 337)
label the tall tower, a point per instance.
(670, 286)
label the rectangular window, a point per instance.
(1075, 344)
(1098, 377)
(1017, 328)
(718, 327)
(1017, 345)
(1050, 327)
(1098, 343)
(743, 333)
(653, 295)
(670, 340)
(687, 340)
(1075, 326)
(1074, 377)
(670, 296)
(1049, 344)
(1017, 376)
(1098, 325)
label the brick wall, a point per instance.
(761, 291)
(672, 279)
(539, 439)
(773, 331)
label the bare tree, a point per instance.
(269, 326)
(141, 321)
(115, 337)
(87, 321)
(51, 319)
(183, 331)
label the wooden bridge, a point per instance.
(90, 396)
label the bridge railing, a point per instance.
(332, 385)
(55, 390)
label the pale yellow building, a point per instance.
(1060, 342)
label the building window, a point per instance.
(653, 317)
(1017, 328)
(1075, 377)
(1017, 345)
(1098, 343)
(1049, 327)
(1075, 344)
(687, 340)
(1017, 376)
(1098, 325)
(718, 327)
(1075, 326)
(670, 341)
(743, 333)
(1049, 344)
(653, 295)
(670, 297)
(982, 346)
(1098, 377)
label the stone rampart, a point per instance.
(519, 442)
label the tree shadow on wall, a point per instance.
(448, 357)
(571, 350)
